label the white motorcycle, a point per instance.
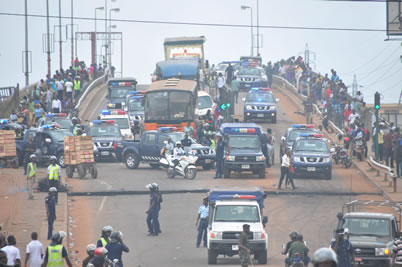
(186, 166)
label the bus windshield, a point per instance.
(169, 105)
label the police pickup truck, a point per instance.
(149, 147)
(242, 149)
(292, 133)
(118, 89)
(60, 119)
(260, 104)
(229, 209)
(311, 156)
(106, 138)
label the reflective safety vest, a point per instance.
(77, 85)
(104, 242)
(54, 172)
(32, 169)
(75, 130)
(55, 256)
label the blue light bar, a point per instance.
(46, 126)
(97, 122)
(236, 130)
(255, 89)
(49, 115)
(3, 121)
(133, 92)
(305, 135)
(137, 97)
(302, 126)
(115, 84)
(106, 112)
(167, 129)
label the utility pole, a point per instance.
(60, 39)
(355, 86)
(26, 50)
(72, 33)
(49, 69)
(309, 56)
(258, 29)
(377, 124)
(106, 40)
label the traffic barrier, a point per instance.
(387, 171)
(92, 85)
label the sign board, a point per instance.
(394, 17)
(187, 51)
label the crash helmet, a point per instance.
(53, 158)
(107, 228)
(91, 248)
(324, 255)
(116, 235)
(293, 235)
(346, 139)
(101, 251)
(178, 143)
(32, 156)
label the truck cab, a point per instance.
(60, 119)
(106, 137)
(243, 149)
(122, 120)
(292, 133)
(229, 209)
(118, 89)
(260, 104)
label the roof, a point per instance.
(185, 40)
(369, 215)
(203, 93)
(177, 68)
(215, 193)
(174, 84)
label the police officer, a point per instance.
(91, 254)
(105, 237)
(54, 174)
(186, 142)
(50, 202)
(244, 246)
(31, 175)
(116, 247)
(75, 126)
(202, 222)
(56, 253)
(77, 87)
(220, 148)
(264, 148)
(29, 149)
(308, 110)
(324, 257)
(153, 210)
(343, 249)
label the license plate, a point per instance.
(247, 85)
(207, 161)
(260, 115)
(245, 166)
(105, 153)
(235, 247)
(311, 169)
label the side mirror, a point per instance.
(48, 140)
(243, 99)
(265, 220)
(277, 100)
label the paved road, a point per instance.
(312, 214)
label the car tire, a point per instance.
(81, 171)
(60, 160)
(131, 160)
(94, 172)
(274, 120)
(226, 173)
(69, 171)
(261, 174)
(262, 257)
(207, 167)
(211, 257)
(329, 175)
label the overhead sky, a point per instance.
(376, 62)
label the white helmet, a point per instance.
(324, 255)
(178, 143)
(52, 189)
(107, 228)
(32, 156)
(53, 158)
(91, 247)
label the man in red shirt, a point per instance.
(389, 156)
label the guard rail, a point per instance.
(387, 171)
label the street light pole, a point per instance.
(252, 33)
(72, 33)
(258, 29)
(110, 34)
(96, 59)
(26, 50)
(49, 69)
(106, 48)
(60, 40)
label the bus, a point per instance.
(170, 103)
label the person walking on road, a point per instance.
(34, 252)
(105, 237)
(153, 210)
(202, 222)
(285, 170)
(29, 149)
(220, 150)
(116, 247)
(54, 174)
(12, 252)
(235, 88)
(244, 246)
(31, 175)
(343, 249)
(50, 202)
(56, 253)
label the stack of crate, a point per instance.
(78, 150)
(7, 144)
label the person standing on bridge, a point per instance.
(286, 171)
(31, 175)
(308, 110)
(202, 222)
(229, 73)
(77, 87)
(69, 89)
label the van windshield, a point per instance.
(237, 213)
(367, 226)
(244, 141)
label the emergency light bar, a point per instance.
(311, 135)
(113, 112)
(3, 121)
(132, 92)
(110, 121)
(229, 130)
(136, 97)
(97, 122)
(49, 115)
(302, 126)
(250, 197)
(122, 84)
(61, 115)
(260, 89)
(106, 112)
(167, 129)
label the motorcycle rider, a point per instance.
(397, 251)
(116, 247)
(297, 250)
(105, 237)
(293, 236)
(324, 257)
(91, 254)
(178, 152)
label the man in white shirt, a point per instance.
(34, 252)
(353, 116)
(13, 253)
(178, 152)
(285, 171)
(69, 89)
(56, 105)
(60, 88)
(221, 81)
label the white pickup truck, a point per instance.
(229, 209)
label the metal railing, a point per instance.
(387, 171)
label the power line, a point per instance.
(206, 24)
(382, 78)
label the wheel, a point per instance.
(211, 257)
(262, 257)
(329, 175)
(274, 120)
(81, 171)
(154, 165)
(261, 173)
(132, 161)
(190, 173)
(170, 173)
(206, 167)
(94, 172)
(15, 163)
(69, 171)
(226, 173)
(60, 159)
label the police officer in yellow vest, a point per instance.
(56, 253)
(105, 237)
(31, 170)
(77, 87)
(54, 172)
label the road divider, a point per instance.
(385, 170)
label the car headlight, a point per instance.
(382, 251)
(230, 158)
(325, 160)
(215, 235)
(249, 107)
(211, 151)
(297, 159)
(259, 235)
(272, 107)
(260, 158)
